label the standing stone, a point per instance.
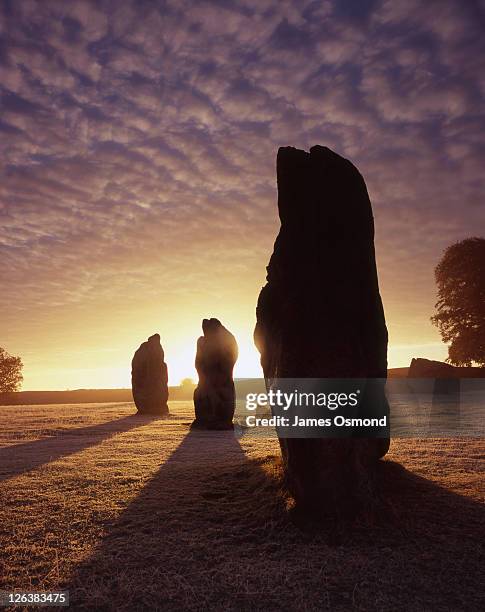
(427, 368)
(149, 378)
(444, 417)
(320, 314)
(214, 396)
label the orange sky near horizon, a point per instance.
(138, 149)
(96, 351)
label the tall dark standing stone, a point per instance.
(214, 396)
(320, 314)
(149, 378)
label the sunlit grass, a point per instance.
(145, 515)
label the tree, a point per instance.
(460, 309)
(10, 372)
(187, 382)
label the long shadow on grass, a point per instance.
(211, 531)
(206, 502)
(20, 458)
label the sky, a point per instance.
(138, 145)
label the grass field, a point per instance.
(129, 512)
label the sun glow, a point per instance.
(84, 358)
(180, 359)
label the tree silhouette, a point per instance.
(10, 372)
(187, 382)
(460, 309)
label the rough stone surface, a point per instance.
(320, 314)
(149, 378)
(214, 397)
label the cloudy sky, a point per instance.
(138, 154)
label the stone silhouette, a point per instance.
(320, 314)
(427, 368)
(149, 378)
(445, 408)
(214, 396)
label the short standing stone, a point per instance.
(444, 417)
(149, 378)
(214, 397)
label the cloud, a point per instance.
(139, 138)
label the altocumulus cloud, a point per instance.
(139, 138)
